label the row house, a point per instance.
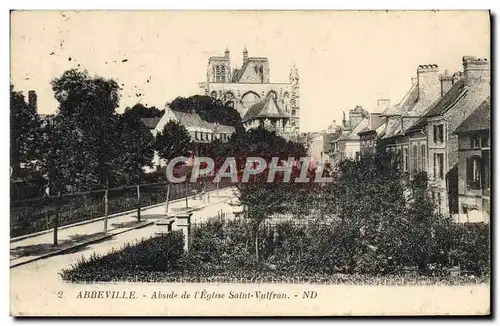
(420, 128)
(474, 165)
(345, 142)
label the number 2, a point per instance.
(60, 294)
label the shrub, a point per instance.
(157, 254)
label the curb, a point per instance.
(27, 236)
(83, 244)
(107, 236)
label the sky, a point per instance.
(345, 58)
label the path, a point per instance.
(40, 246)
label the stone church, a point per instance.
(248, 89)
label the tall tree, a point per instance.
(262, 199)
(135, 149)
(86, 128)
(24, 131)
(173, 141)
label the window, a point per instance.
(405, 159)
(414, 158)
(475, 142)
(439, 166)
(196, 135)
(358, 155)
(423, 156)
(438, 134)
(474, 172)
(485, 140)
(220, 73)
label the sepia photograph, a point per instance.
(250, 163)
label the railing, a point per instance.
(39, 214)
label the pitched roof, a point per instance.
(267, 108)
(407, 103)
(238, 73)
(479, 119)
(441, 105)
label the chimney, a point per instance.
(226, 53)
(476, 71)
(446, 82)
(383, 104)
(356, 115)
(456, 77)
(245, 55)
(32, 100)
(429, 87)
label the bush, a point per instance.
(157, 254)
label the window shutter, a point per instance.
(469, 171)
(434, 129)
(435, 163)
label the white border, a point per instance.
(190, 5)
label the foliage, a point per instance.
(314, 252)
(161, 253)
(140, 111)
(83, 137)
(209, 109)
(24, 131)
(173, 141)
(135, 149)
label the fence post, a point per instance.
(56, 219)
(106, 208)
(183, 223)
(138, 203)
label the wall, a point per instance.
(283, 90)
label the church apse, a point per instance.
(242, 87)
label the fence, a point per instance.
(39, 214)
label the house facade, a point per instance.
(474, 161)
(420, 129)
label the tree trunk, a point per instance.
(257, 245)
(168, 197)
(187, 194)
(106, 207)
(138, 203)
(56, 219)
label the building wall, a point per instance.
(474, 204)
(241, 94)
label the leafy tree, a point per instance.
(85, 130)
(24, 132)
(135, 149)
(259, 198)
(140, 111)
(209, 109)
(174, 140)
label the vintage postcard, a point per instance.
(250, 163)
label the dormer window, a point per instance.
(475, 142)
